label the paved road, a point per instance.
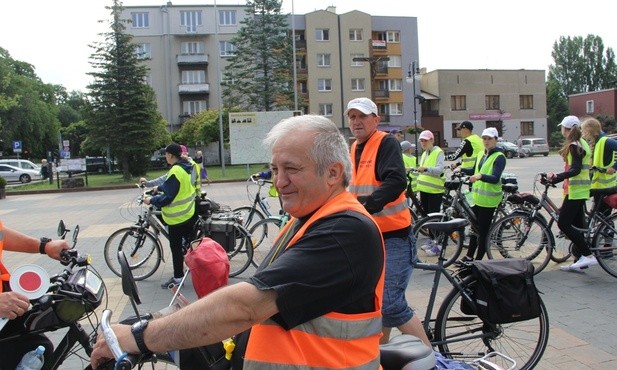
(583, 318)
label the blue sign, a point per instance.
(17, 146)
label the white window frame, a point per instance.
(325, 109)
(357, 64)
(226, 49)
(227, 18)
(140, 20)
(395, 84)
(322, 34)
(192, 107)
(358, 84)
(143, 50)
(589, 106)
(323, 60)
(192, 47)
(324, 85)
(395, 109)
(194, 77)
(393, 37)
(191, 19)
(395, 61)
(355, 34)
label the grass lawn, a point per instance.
(215, 173)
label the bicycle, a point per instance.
(457, 204)
(259, 208)
(463, 336)
(264, 233)
(526, 234)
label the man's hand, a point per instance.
(147, 200)
(54, 247)
(13, 305)
(475, 178)
(101, 352)
(142, 180)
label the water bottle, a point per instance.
(32, 360)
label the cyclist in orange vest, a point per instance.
(315, 301)
(379, 181)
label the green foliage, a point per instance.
(2, 183)
(259, 75)
(203, 128)
(556, 105)
(122, 114)
(555, 139)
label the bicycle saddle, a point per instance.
(509, 188)
(406, 352)
(447, 226)
(521, 198)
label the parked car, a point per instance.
(511, 150)
(20, 163)
(12, 173)
(536, 145)
(158, 161)
(96, 164)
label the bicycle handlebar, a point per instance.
(123, 361)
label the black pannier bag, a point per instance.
(505, 291)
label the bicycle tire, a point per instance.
(517, 235)
(143, 260)
(524, 341)
(263, 235)
(605, 246)
(454, 244)
(249, 215)
(562, 246)
(241, 256)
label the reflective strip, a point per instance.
(605, 180)
(165, 211)
(468, 159)
(327, 327)
(486, 192)
(574, 181)
(586, 167)
(431, 185)
(362, 189)
(258, 365)
(391, 210)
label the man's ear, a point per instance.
(335, 173)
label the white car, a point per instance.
(12, 173)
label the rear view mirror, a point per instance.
(129, 287)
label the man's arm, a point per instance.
(15, 241)
(464, 148)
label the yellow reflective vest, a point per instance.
(577, 187)
(428, 183)
(182, 207)
(469, 161)
(602, 180)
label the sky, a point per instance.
(452, 34)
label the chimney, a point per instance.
(331, 9)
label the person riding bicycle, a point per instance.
(267, 175)
(195, 174)
(486, 191)
(13, 305)
(176, 199)
(315, 300)
(577, 157)
(470, 149)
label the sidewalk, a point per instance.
(582, 313)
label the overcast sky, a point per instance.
(453, 34)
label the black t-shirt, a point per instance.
(333, 267)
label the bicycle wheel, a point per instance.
(520, 236)
(241, 255)
(263, 235)
(142, 250)
(463, 337)
(562, 247)
(605, 246)
(454, 241)
(250, 215)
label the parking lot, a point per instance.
(583, 319)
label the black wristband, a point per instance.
(42, 245)
(138, 334)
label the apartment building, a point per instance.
(513, 101)
(338, 58)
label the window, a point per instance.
(303, 87)
(395, 61)
(322, 34)
(497, 124)
(324, 84)
(143, 51)
(356, 64)
(396, 109)
(526, 101)
(193, 77)
(589, 106)
(227, 17)
(140, 20)
(227, 49)
(193, 107)
(527, 128)
(393, 36)
(190, 19)
(395, 85)
(492, 102)
(455, 133)
(355, 35)
(325, 110)
(323, 60)
(357, 84)
(192, 47)
(458, 102)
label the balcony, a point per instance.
(194, 88)
(381, 94)
(186, 59)
(300, 44)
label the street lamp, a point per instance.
(412, 75)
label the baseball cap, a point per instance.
(174, 149)
(364, 105)
(395, 131)
(491, 131)
(465, 124)
(184, 150)
(405, 145)
(570, 121)
(426, 135)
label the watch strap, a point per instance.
(42, 245)
(137, 329)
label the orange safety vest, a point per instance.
(395, 215)
(332, 341)
(4, 272)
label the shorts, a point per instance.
(400, 258)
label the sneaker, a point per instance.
(434, 251)
(172, 281)
(585, 262)
(570, 268)
(428, 245)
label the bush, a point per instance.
(2, 182)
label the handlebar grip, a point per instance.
(110, 336)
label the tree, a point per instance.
(203, 127)
(122, 110)
(258, 76)
(557, 107)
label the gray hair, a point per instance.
(329, 145)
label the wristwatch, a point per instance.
(44, 242)
(137, 329)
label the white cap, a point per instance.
(491, 131)
(426, 135)
(569, 122)
(364, 105)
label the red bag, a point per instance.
(611, 200)
(208, 264)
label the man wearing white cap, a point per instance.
(379, 182)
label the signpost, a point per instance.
(17, 147)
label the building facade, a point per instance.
(513, 101)
(594, 103)
(338, 58)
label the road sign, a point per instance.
(17, 146)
